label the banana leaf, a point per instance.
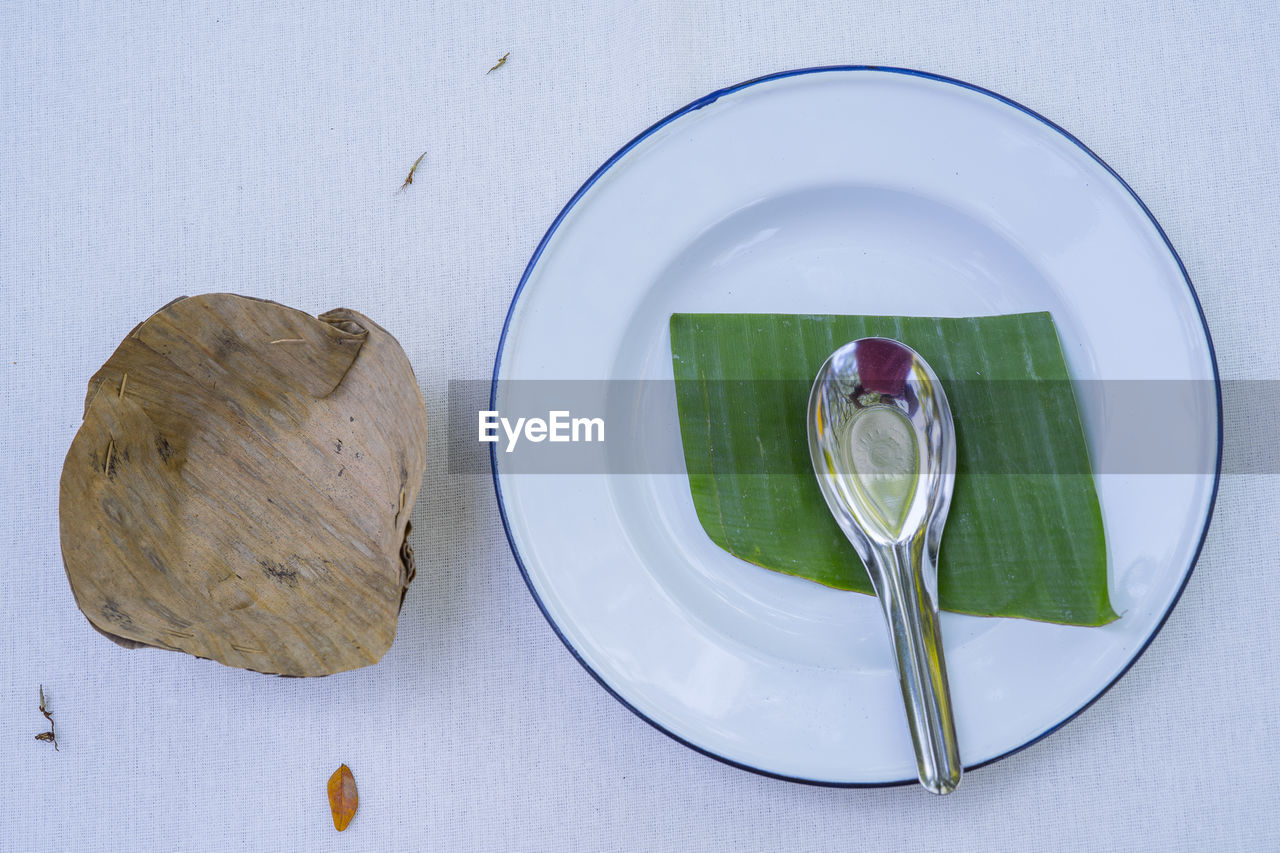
(1024, 537)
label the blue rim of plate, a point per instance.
(711, 99)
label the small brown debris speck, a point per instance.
(501, 62)
(412, 171)
(49, 736)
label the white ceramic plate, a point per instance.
(856, 191)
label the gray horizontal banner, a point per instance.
(632, 427)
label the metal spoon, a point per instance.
(883, 448)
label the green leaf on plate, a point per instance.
(1024, 536)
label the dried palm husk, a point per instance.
(241, 486)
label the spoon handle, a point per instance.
(911, 611)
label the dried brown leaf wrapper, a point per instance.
(241, 486)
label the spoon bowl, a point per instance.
(882, 443)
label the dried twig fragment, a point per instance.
(343, 798)
(501, 62)
(412, 171)
(49, 736)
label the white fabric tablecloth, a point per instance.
(150, 150)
